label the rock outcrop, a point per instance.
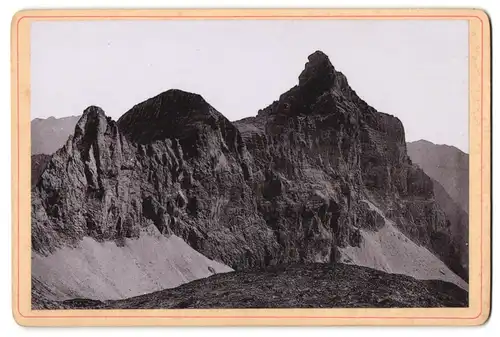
(38, 163)
(458, 221)
(285, 186)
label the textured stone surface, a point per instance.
(284, 186)
(291, 286)
(38, 163)
(448, 168)
(459, 227)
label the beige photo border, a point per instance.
(479, 170)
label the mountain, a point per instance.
(48, 135)
(447, 165)
(38, 163)
(318, 176)
(448, 168)
(458, 223)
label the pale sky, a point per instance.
(415, 70)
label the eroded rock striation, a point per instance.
(286, 186)
(38, 163)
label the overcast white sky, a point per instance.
(415, 70)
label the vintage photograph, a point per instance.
(232, 164)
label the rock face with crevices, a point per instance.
(38, 163)
(285, 186)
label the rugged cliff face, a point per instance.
(343, 152)
(448, 167)
(38, 163)
(458, 222)
(292, 184)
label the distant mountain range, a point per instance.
(447, 165)
(48, 135)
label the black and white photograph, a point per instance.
(233, 164)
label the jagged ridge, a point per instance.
(285, 186)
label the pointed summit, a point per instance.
(318, 72)
(93, 121)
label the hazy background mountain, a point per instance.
(50, 134)
(447, 165)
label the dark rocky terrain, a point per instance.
(291, 286)
(38, 163)
(459, 224)
(49, 134)
(287, 186)
(447, 165)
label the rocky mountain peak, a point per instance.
(307, 180)
(318, 72)
(92, 120)
(93, 131)
(171, 114)
(321, 89)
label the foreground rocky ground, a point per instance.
(290, 286)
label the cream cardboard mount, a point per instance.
(315, 210)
